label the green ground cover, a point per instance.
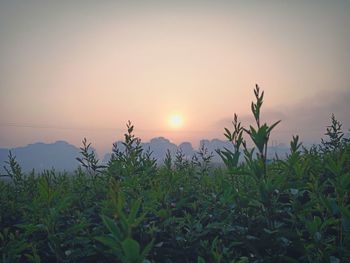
(295, 209)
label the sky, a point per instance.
(75, 69)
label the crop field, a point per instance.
(292, 209)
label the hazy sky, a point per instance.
(74, 69)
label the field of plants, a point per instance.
(292, 209)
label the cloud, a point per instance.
(308, 118)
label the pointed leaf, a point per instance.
(134, 209)
(147, 249)
(112, 227)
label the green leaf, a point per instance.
(131, 249)
(134, 209)
(147, 249)
(345, 180)
(273, 126)
(112, 227)
(108, 241)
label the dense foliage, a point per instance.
(294, 209)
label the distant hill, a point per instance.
(159, 146)
(40, 156)
(61, 155)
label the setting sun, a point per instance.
(175, 121)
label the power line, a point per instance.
(34, 126)
(54, 127)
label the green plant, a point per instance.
(290, 209)
(261, 134)
(14, 171)
(231, 158)
(131, 160)
(119, 240)
(89, 160)
(335, 136)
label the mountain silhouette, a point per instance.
(42, 156)
(62, 156)
(159, 146)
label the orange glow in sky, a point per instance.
(75, 69)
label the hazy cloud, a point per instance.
(308, 118)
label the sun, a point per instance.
(175, 121)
